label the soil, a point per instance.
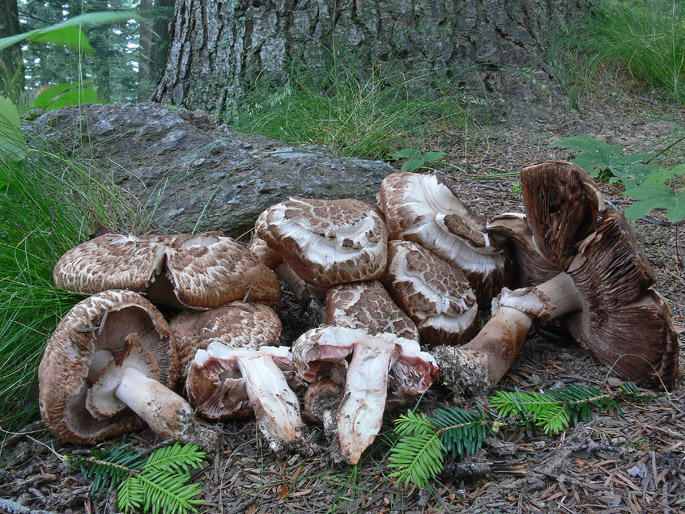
(634, 462)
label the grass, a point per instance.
(48, 203)
(647, 38)
(367, 113)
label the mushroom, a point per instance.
(108, 367)
(327, 242)
(201, 271)
(602, 289)
(237, 325)
(274, 261)
(367, 305)
(230, 383)
(424, 209)
(435, 293)
(369, 374)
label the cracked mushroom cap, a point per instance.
(94, 333)
(201, 271)
(236, 325)
(367, 305)
(433, 292)
(424, 209)
(327, 242)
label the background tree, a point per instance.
(11, 64)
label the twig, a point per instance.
(13, 507)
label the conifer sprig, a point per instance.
(419, 453)
(157, 484)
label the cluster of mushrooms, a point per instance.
(411, 272)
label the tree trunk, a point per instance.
(11, 63)
(154, 44)
(219, 48)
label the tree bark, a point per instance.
(154, 44)
(11, 63)
(219, 48)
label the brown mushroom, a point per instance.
(433, 292)
(367, 305)
(108, 367)
(374, 359)
(327, 242)
(424, 209)
(201, 271)
(229, 383)
(237, 325)
(602, 289)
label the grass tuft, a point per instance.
(48, 204)
(645, 37)
(353, 111)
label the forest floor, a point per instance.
(634, 463)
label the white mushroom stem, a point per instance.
(274, 403)
(482, 362)
(360, 414)
(166, 413)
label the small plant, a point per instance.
(157, 484)
(424, 441)
(415, 159)
(608, 161)
(657, 192)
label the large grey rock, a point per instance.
(191, 170)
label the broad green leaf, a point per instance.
(656, 196)
(665, 174)
(433, 156)
(12, 143)
(46, 97)
(57, 34)
(588, 144)
(414, 163)
(75, 96)
(406, 153)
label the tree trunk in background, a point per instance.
(11, 63)
(218, 49)
(154, 44)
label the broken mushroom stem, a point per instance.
(482, 362)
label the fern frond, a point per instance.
(461, 432)
(175, 459)
(130, 495)
(169, 494)
(419, 457)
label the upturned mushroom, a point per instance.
(108, 368)
(433, 292)
(424, 209)
(237, 325)
(201, 271)
(369, 375)
(231, 383)
(602, 288)
(327, 242)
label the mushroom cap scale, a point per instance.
(237, 325)
(100, 322)
(433, 292)
(424, 209)
(327, 242)
(367, 305)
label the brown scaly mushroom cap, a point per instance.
(274, 261)
(602, 288)
(327, 242)
(424, 209)
(113, 350)
(237, 325)
(367, 305)
(201, 271)
(231, 383)
(372, 369)
(434, 292)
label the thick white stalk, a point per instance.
(167, 414)
(562, 293)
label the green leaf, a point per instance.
(420, 458)
(69, 32)
(413, 164)
(664, 175)
(12, 143)
(656, 196)
(433, 156)
(406, 153)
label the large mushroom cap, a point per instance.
(367, 305)
(201, 271)
(424, 209)
(435, 293)
(236, 325)
(327, 242)
(91, 335)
